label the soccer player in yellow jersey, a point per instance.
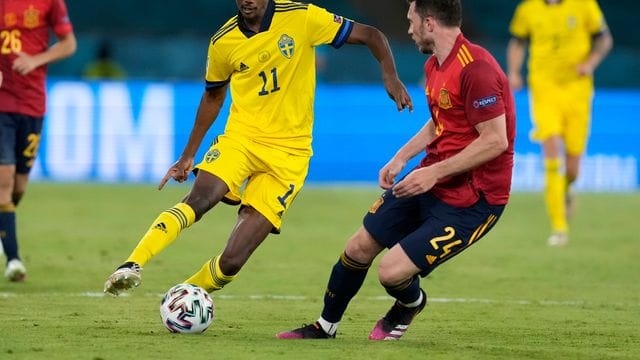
(567, 40)
(266, 56)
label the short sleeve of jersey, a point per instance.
(219, 70)
(59, 18)
(324, 27)
(595, 19)
(481, 90)
(519, 26)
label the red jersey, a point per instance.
(25, 28)
(467, 89)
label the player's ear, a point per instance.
(429, 22)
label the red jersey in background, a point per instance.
(469, 88)
(24, 27)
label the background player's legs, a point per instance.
(7, 212)
(250, 231)
(576, 138)
(572, 170)
(19, 188)
(555, 190)
(15, 270)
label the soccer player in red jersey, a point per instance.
(24, 54)
(452, 198)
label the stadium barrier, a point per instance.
(121, 132)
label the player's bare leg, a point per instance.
(572, 172)
(250, 231)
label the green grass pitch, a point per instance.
(508, 297)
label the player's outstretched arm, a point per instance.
(378, 44)
(208, 111)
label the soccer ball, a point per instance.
(187, 309)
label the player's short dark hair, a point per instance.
(447, 12)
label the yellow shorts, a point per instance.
(562, 111)
(263, 177)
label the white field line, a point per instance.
(304, 298)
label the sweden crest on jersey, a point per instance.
(286, 46)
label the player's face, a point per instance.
(420, 30)
(252, 10)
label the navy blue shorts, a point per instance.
(19, 140)
(429, 230)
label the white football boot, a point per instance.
(15, 271)
(558, 239)
(126, 277)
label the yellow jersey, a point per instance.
(560, 35)
(272, 72)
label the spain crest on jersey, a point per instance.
(445, 100)
(31, 17)
(286, 46)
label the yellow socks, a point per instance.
(210, 276)
(554, 194)
(162, 232)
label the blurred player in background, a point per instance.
(456, 194)
(104, 66)
(567, 41)
(24, 54)
(266, 56)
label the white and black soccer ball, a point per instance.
(187, 309)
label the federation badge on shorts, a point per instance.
(376, 205)
(445, 100)
(212, 155)
(286, 46)
(31, 17)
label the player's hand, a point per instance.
(179, 171)
(24, 63)
(417, 182)
(398, 93)
(515, 82)
(387, 175)
(0, 78)
(585, 69)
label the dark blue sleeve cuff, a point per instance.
(210, 85)
(343, 34)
